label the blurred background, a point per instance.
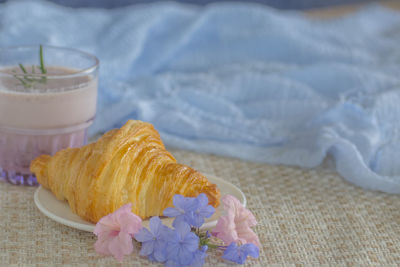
(281, 4)
(239, 78)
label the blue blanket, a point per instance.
(241, 80)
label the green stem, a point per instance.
(26, 72)
(211, 245)
(22, 68)
(42, 68)
(205, 241)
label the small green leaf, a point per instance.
(24, 83)
(22, 68)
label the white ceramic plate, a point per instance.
(59, 211)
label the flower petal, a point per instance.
(107, 223)
(172, 250)
(147, 248)
(190, 204)
(202, 199)
(182, 229)
(130, 223)
(144, 235)
(231, 253)
(121, 245)
(230, 201)
(178, 200)
(251, 250)
(171, 212)
(185, 256)
(196, 220)
(171, 263)
(183, 218)
(160, 254)
(101, 245)
(191, 242)
(151, 258)
(125, 208)
(244, 216)
(225, 230)
(247, 236)
(199, 257)
(207, 211)
(165, 233)
(155, 225)
(235, 225)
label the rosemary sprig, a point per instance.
(28, 81)
(22, 68)
(24, 83)
(26, 77)
(42, 68)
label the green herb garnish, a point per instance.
(22, 68)
(42, 68)
(29, 80)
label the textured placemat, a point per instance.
(306, 217)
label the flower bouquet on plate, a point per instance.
(184, 244)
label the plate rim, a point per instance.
(56, 218)
(90, 228)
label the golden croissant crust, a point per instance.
(127, 165)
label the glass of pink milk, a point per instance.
(42, 112)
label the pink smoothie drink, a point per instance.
(44, 113)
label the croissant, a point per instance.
(126, 165)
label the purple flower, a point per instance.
(31, 180)
(15, 178)
(199, 257)
(154, 241)
(190, 210)
(181, 246)
(3, 175)
(184, 207)
(239, 254)
(203, 211)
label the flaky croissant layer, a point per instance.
(126, 165)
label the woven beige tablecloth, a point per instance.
(306, 217)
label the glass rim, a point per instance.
(78, 73)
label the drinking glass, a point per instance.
(48, 100)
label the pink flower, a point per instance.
(115, 232)
(235, 225)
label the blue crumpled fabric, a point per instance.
(242, 80)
